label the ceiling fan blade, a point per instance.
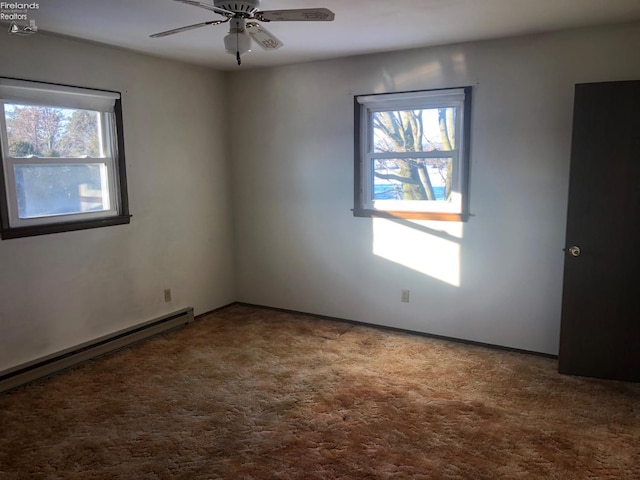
(206, 6)
(188, 27)
(296, 15)
(262, 36)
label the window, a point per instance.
(62, 159)
(412, 154)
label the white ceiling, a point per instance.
(361, 26)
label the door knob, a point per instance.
(574, 251)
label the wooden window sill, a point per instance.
(411, 215)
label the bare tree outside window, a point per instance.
(414, 131)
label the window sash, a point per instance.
(111, 188)
(454, 98)
(435, 206)
(367, 110)
(109, 149)
(402, 155)
(453, 206)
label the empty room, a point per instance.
(319, 239)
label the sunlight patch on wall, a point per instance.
(433, 251)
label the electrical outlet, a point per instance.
(167, 294)
(405, 296)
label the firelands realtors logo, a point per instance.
(18, 15)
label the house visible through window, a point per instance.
(412, 154)
(62, 159)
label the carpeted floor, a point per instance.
(249, 393)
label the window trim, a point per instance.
(364, 105)
(120, 200)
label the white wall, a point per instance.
(495, 279)
(60, 290)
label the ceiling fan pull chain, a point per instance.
(237, 47)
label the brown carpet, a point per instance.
(251, 393)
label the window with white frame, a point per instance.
(62, 159)
(412, 154)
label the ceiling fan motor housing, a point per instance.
(242, 7)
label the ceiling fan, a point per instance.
(241, 33)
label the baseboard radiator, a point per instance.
(54, 363)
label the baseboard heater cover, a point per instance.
(56, 362)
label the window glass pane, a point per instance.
(44, 190)
(413, 179)
(53, 132)
(426, 130)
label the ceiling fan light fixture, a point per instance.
(235, 43)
